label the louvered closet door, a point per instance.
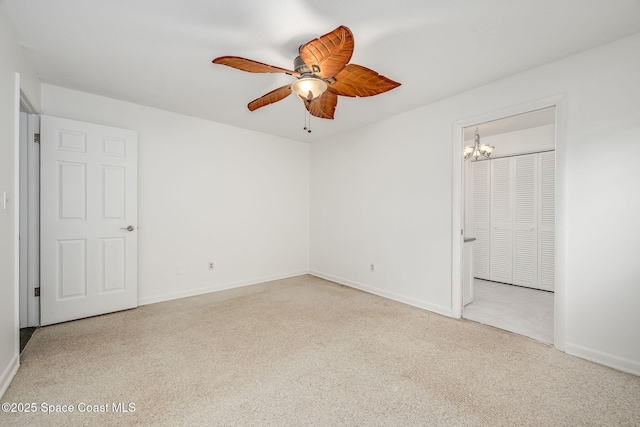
(501, 221)
(525, 247)
(480, 221)
(546, 231)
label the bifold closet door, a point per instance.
(525, 235)
(480, 217)
(513, 219)
(501, 239)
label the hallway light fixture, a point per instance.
(478, 150)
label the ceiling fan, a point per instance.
(322, 73)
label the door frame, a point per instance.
(457, 230)
(29, 219)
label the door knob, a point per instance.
(128, 228)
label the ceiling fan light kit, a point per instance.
(323, 73)
(309, 88)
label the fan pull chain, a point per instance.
(307, 121)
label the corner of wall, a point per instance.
(445, 311)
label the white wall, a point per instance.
(383, 194)
(12, 61)
(207, 192)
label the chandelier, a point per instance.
(478, 150)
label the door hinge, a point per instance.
(36, 292)
(36, 138)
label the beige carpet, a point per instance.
(304, 351)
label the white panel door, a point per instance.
(501, 240)
(525, 238)
(546, 228)
(480, 217)
(88, 199)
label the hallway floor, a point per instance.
(521, 310)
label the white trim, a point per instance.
(439, 309)
(457, 220)
(7, 376)
(209, 289)
(16, 227)
(606, 359)
(560, 288)
(558, 101)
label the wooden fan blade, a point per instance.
(323, 106)
(328, 54)
(273, 96)
(251, 66)
(356, 80)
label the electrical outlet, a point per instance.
(372, 267)
(179, 269)
(211, 266)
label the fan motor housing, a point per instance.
(300, 66)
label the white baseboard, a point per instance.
(615, 362)
(445, 311)
(216, 288)
(7, 375)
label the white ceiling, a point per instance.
(158, 53)
(532, 119)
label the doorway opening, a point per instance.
(509, 208)
(507, 225)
